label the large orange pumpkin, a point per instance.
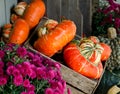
(56, 39)
(20, 32)
(75, 60)
(34, 12)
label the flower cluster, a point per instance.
(24, 71)
(106, 15)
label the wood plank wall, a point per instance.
(5, 8)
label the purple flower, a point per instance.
(3, 80)
(1, 64)
(16, 72)
(23, 92)
(1, 71)
(31, 92)
(31, 88)
(41, 73)
(9, 64)
(68, 91)
(49, 91)
(21, 51)
(2, 54)
(18, 80)
(26, 83)
(10, 70)
(51, 74)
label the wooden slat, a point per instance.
(73, 90)
(53, 9)
(9, 4)
(70, 9)
(86, 9)
(2, 13)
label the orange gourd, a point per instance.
(20, 32)
(34, 12)
(56, 39)
(76, 61)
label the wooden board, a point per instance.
(5, 10)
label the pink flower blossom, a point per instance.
(49, 91)
(31, 87)
(10, 70)
(3, 80)
(16, 72)
(18, 80)
(21, 51)
(23, 92)
(31, 92)
(2, 54)
(9, 64)
(51, 74)
(69, 91)
(26, 83)
(1, 64)
(1, 71)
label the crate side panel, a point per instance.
(77, 80)
(73, 90)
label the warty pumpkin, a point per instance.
(76, 61)
(56, 39)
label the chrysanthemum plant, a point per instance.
(23, 71)
(106, 15)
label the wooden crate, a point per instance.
(78, 83)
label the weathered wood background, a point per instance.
(80, 11)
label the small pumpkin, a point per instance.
(34, 12)
(56, 39)
(75, 60)
(20, 32)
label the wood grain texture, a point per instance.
(5, 10)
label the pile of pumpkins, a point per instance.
(85, 55)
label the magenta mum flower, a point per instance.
(3, 80)
(21, 51)
(2, 54)
(26, 83)
(18, 80)
(1, 64)
(10, 70)
(49, 91)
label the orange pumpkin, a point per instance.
(56, 39)
(20, 32)
(106, 52)
(75, 60)
(34, 12)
